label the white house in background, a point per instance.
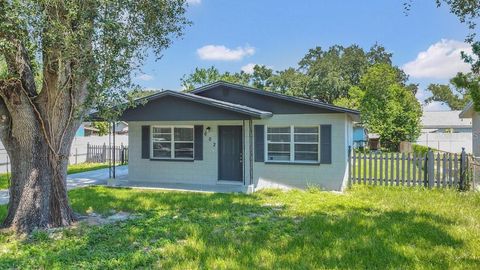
(469, 113)
(239, 138)
(121, 127)
(446, 131)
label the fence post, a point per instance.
(463, 169)
(88, 153)
(122, 154)
(430, 168)
(349, 164)
(76, 155)
(104, 153)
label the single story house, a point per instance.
(229, 134)
(446, 131)
(469, 113)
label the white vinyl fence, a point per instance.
(78, 151)
(447, 142)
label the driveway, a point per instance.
(77, 180)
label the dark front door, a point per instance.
(230, 160)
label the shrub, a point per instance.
(420, 149)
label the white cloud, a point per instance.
(222, 53)
(145, 77)
(194, 2)
(441, 60)
(248, 68)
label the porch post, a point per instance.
(110, 149)
(250, 149)
(114, 149)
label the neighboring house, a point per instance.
(359, 136)
(121, 127)
(86, 129)
(473, 116)
(445, 122)
(446, 131)
(232, 135)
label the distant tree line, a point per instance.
(345, 76)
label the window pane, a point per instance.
(278, 130)
(306, 152)
(183, 134)
(161, 150)
(306, 138)
(279, 148)
(306, 156)
(161, 130)
(275, 156)
(183, 150)
(306, 129)
(162, 137)
(278, 137)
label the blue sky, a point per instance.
(233, 34)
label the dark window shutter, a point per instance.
(259, 137)
(146, 142)
(198, 133)
(326, 144)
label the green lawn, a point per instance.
(74, 168)
(368, 227)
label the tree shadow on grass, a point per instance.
(188, 230)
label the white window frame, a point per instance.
(172, 143)
(292, 144)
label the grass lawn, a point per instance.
(368, 227)
(74, 168)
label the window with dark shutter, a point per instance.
(145, 142)
(259, 139)
(198, 142)
(326, 144)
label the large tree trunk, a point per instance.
(37, 134)
(38, 197)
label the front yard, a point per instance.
(368, 227)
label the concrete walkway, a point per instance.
(84, 179)
(100, 177)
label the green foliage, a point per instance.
(103, 40)
(420, 149)
(142, 93)
(455, 99)
(471, 82)
(325, 75)
(387, 107)
(367, 227)
(103, 127)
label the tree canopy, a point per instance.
(58, 60)
(325, 75)
(387, 107)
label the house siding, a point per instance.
(326, 176)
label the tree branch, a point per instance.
(19, 65)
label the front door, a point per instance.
(230, 157)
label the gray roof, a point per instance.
(211, 102)
(468, 111)
(444, 119)
(354, 113)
